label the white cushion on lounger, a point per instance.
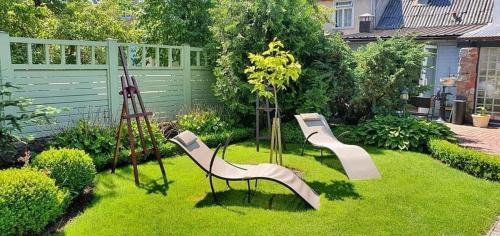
(186, 138)
(310, 116)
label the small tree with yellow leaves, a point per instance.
(273, 69)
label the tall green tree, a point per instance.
(238, 27)
(23, 18)
(176, 22)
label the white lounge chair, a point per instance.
(214, 166)
(356, 161)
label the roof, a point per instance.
(437, 19)
(489, 32)
(437, 13)
(429, 33)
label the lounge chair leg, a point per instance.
(256, 185)
(227, 183)
(249, 193)
(213, 190)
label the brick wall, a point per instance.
(466, 85)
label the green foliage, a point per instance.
(482, 111)
(385, 69)
(95, 139)
(70, 19)
(291, 133)
(475, 163)
(406, 133)
(176, 22)
(72, 169)
(158, 135)
(18, 117)
(29, 200)
(21, 18)
(202, 122)
(328, 83)
(274, 68)
(239, 27)
(86, 21)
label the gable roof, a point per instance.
(437, 19)
(437, 13)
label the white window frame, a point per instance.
(423, 79)
(343, 9)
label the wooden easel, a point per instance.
(130, 92)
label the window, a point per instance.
(428, 75)
(344, 14)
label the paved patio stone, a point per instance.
(495, 231)
(483, 139)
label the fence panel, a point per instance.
(83, 78)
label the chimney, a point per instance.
(366, 23)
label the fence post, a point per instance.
(113, 81)
(5, 64)
(186, 68)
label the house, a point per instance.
(462, 35)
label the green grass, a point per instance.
(417, 195)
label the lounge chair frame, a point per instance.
(211, 175)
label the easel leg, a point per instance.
(132, 151)
(155, 148)
(118, 140)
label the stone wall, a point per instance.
(467, 71)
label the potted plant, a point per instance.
(481, 119)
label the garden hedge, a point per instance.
(29, 200)
(476, 163)
(71, 168)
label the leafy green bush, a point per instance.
(71, 168)
(385, 69)
(94, 139)
(202, 122)
(29, 200)
(403, 133)
(236, 33)
(147, 139)
(475, 163)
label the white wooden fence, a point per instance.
(83, 76)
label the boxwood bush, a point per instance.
(71, 168)
(29, 200)
(402, 133)
(475, 163)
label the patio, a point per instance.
(483, 139)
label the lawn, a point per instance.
(417, 195)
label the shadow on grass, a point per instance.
(276, 202)
(159, 185)
(336, 190)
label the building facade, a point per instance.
(461, 35)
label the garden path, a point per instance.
(483, 139)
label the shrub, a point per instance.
(386, 68)
(157, 133)
(71, 168)
(202, 122)
(94, 139)
(406, 133)
(29, 200)
(475, 163)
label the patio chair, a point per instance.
(421, 102)
(216, 167)
(356, 162)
